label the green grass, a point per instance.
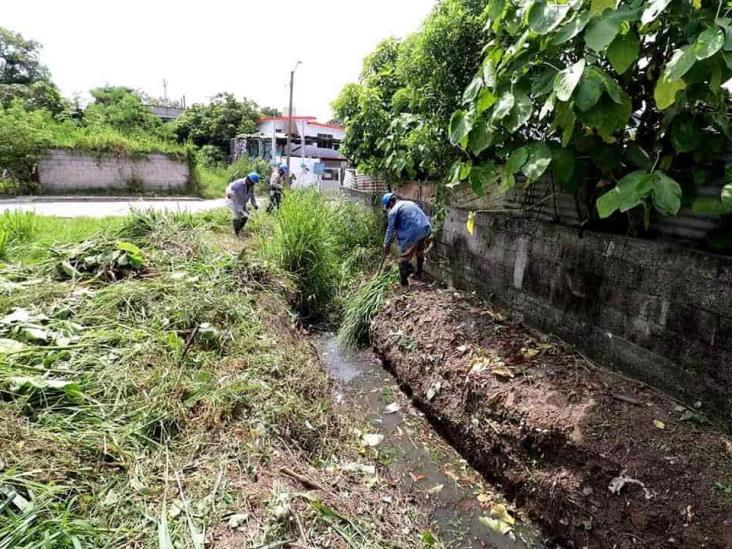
(109, 140)
(213, 180)
(324, 244)
(361, 307)
(156, 382)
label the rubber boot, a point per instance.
(404, 270)
(419, 273)
(239, 225)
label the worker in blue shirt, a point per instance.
(412, 229)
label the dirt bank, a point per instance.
(596, 459)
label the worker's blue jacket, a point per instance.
(408, 223)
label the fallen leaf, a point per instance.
(530, 353)
(500, 512)
(372, 439)
(479, 365)
(660, 424)
(418, 477)
(436, 489)
(392, 408)
(433, 390)
(237, 519)
(496, 525)
(483, 497)
(503, 372)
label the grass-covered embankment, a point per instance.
(154, 387)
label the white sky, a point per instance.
(246, 47)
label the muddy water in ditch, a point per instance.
(454, 494)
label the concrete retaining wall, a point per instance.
(659, 312)
(63, 170)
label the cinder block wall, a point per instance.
(63, 170)
(659, 312)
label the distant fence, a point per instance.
(363, 183)
(61, 170)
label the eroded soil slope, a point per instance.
(598, 460)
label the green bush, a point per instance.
(324, 244)
(303, 245)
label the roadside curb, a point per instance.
(67, 198)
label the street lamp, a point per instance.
(289, 116)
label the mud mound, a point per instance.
(598, 460)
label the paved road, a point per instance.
(69, 207)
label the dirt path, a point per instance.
(596, 459)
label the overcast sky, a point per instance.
(204, 47)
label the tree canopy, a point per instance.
(22, 76)
(397, 114)
(217, 122)
(629, 96)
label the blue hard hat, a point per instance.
(253, 177)
(283, 167)
(386, 199)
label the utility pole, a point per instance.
(165, 90)
(289, 119)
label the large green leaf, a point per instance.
(504, 106)
(685, 133)
(727, 195)
(481, 137)
(623, 51)
(486, 99)
(460, 125)
(666, 194)
(602, 31)
(471, 92)
(726, 24)
(571, 29)
(520, 113)
(599, 6)
(653, 10)
(489, 72)
(563, 164)
(590, 90)
(666, 90)
(608, 117)
(517, 160)
(480, 176)
(567, 80)
(544, 83)
(613, 89)
(566, 119)
(545, 17)
(540, 157)
(681, 61)
(607, 204)
(708, 43)
(632, 189)
(496, 9)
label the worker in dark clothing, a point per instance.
(412, 229)
(239, 194)
(276, 187)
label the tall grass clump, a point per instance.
(361, 308)
(303, 244)
(16, 228)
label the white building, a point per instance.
(315, 158)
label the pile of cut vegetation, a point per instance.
(598, 460)
(154, 390)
